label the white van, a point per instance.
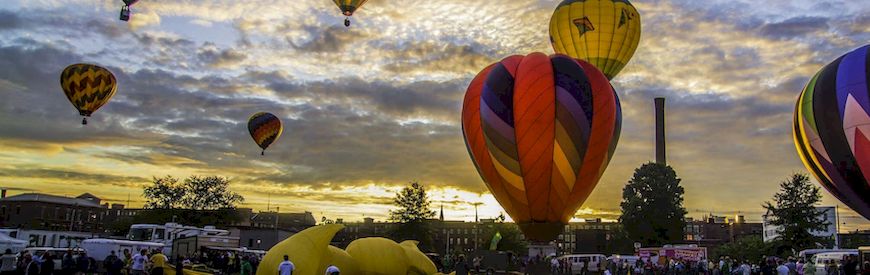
(821, 259)
(578, 260)
(631, 259)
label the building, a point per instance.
(589, 236)
(49, 212)
(854, 239)
(713, 231)
(829, 215)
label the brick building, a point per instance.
(49, 212)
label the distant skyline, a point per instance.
(369, 108)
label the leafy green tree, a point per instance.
(196, 193)
(749, 248)
(793, 211)
(209, 193)
(413, 211)
(164, 193)
(652, 206)
(511, 236)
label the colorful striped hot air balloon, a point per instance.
(602, 32)
(832, 129)
(265, 128)
(541, 131)
(348, 7)
(88, 87)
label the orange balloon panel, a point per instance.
(541, 130)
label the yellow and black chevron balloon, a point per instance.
(265, 128)
(88, 87)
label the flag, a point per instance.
(495, 239)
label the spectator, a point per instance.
(810, 268)
(32, 266)
(113, 264)
(7, 263)
(286, 267)
(47, 266)
(332, 270)
(139, 262)
(82, 264)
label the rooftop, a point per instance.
(85, 200)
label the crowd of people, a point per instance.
(144, 262)
(849, 265)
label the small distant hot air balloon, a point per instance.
(125, 10)
(348, 7)
(88, 87)
(541, 130)
(602, 32)
(265, 128)
(832, 129)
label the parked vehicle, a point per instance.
(577, 261)
(100, 248)
(821, 259)
(631, 259)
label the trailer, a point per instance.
(100, 248)
(188, 246)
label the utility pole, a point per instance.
(277, 211)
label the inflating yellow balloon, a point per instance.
(602, 32)
(378, 256)
(339, 258)
(308, 250)
(420, 264)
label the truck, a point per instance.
(100, 248)
(167, 233)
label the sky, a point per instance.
(368, 109)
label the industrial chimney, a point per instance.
(660, 131)
(3, 193)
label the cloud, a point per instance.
(795, 27)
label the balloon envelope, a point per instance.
(602, 32)
(832, 126)
(349, 6)
(265, 128)
(88, 87)
(541, 131)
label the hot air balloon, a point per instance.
(832, 126)
(602, 32)
(348, 7)
(125, 10)
(541, 131)
(265, 128)
(88, 87)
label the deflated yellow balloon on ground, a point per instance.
(307, 249)
(420, 264)
(339, 258)
(378, 256)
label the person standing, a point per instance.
(332, 270)
(32, 267)
(138, 263)
(286, 267)
(782, 269)
(809, 268)
(158, 262)
(47, 266)
(82, 263)
(245, 268)
(7, 263)
(112, 264)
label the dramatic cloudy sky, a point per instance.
(369, 108)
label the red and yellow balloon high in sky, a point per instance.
(541, 130)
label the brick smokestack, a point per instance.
(660, 131)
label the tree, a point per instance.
(411, 216)
(652, 206)
(209, 193)
(511, 236)
(749, 248)
(413, 205)
(794, 212)
(164, 193)
(195, 193)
